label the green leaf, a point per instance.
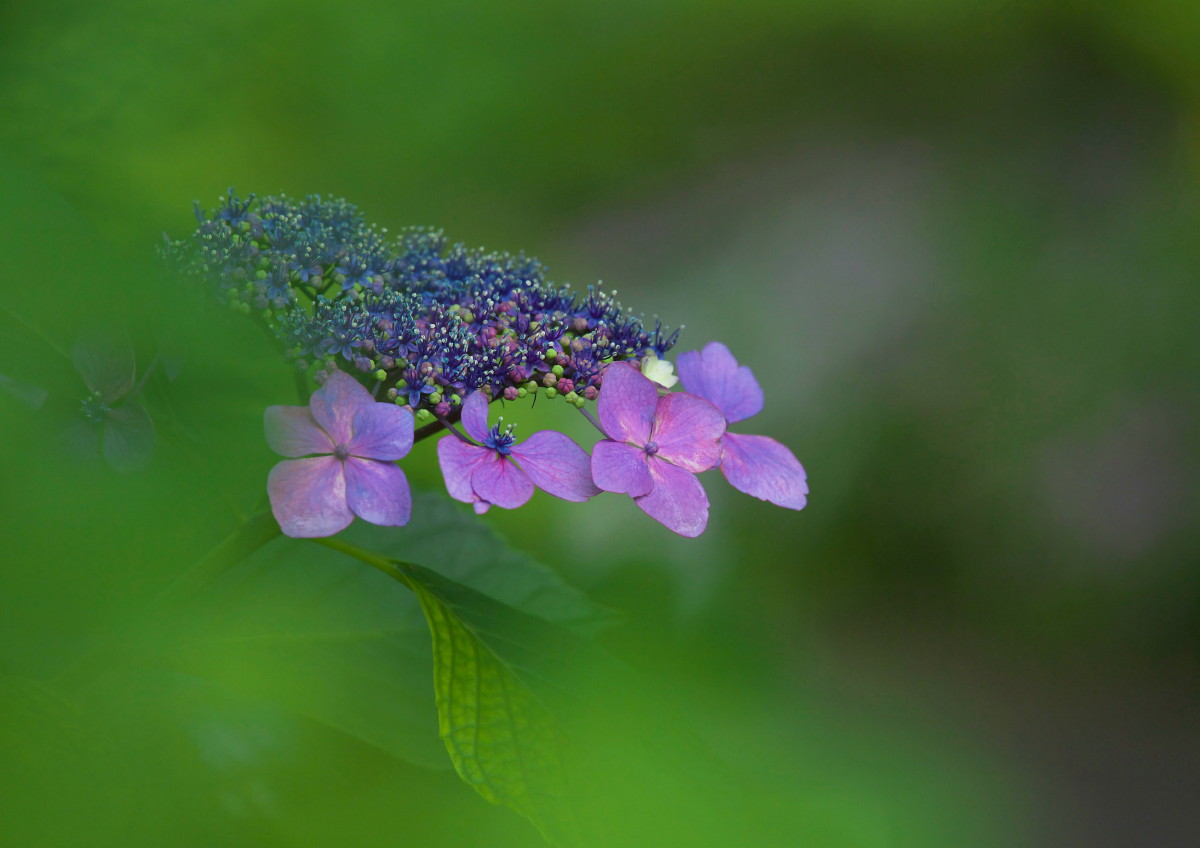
(541, 719)
(502, 738)
(324, 637)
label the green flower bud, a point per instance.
(557, 370)
(551, 392)
(381, 375)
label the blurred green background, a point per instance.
(958, 246)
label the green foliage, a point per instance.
(324, 637)
(502, 739)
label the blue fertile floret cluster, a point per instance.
(430, 322)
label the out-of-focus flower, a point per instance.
(500, 472)
(357, 442)
(113, 422)
(756, 465)
(655, 447)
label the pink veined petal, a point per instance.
(715, 375)
(557, 465)
(688, 430)
(627, 403)
(458, 461)
(677, 501)
(308, 496)
(766, 469)
(501, 483)
(621, 468)
(335, 404)
(382, 431)
(474, 415)
(378, 492)
(292, 431)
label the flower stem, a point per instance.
(390, 567)
(592, 418)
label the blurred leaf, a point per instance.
(49, 749)
(448, 536)
(327, 638)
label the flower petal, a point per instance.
(621, 468)
(382, 431)
(335, 404)
(458, 461)
(677, 501)
(474, 415)
(688, 430)
(501, 483)
(715, 375)
(128, 437)
(292, 431)
(762, 467)
(627, 403)
(557, 465)
(308, 496)
(106, 363)
(378, 492)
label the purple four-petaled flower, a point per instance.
(756, 465)
(500, 472)
(655, 447)
(355, 474)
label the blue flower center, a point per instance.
(501, 441)
(341, 452)
(651, 448)
(94, 408)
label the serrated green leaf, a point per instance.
(503, 740)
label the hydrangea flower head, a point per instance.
(433, 321)
(655, 447)
(756, 465)
(498, 471)
(356, 442)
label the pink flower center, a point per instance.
(341, 452)
(651, 448)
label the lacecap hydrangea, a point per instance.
(439, 331)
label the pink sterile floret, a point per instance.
(499, 471)
(358, 441)
(756, 465)
(655, 447)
